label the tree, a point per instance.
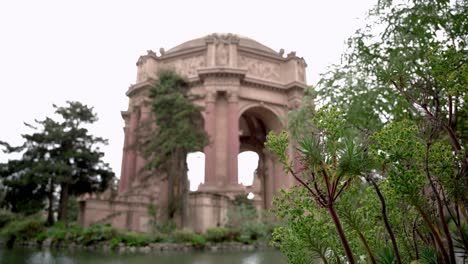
(402, 90)
(177, 131)
(421, 55)
(330, 161)
(58, 155)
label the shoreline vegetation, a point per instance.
(32, 232)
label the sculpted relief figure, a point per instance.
(261, 69)
(222, 54)
(222, 47)
(187, 66)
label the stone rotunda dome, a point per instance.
(242, 41)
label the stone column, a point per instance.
(210, 128)
(123, 176)
(233, 137)
(131, 153)
(145, 116)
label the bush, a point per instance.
(134, 239)
(181, 236)
(198, 240)
(218, 234)
(166, 227)
(6, 217)
(25, 229)
(115, 242)
(97, 233)
(59, 233)
(246, 223)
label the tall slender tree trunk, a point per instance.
(385, 218)
(366, 246)
(440, 208)
(63, 204)
(435, 234)
(184, 190)
(50, 209)
(170, 189)
(341, 234)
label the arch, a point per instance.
(268, 115)
(196, 169)
(247, 164)
(255, 122)
(272, 110)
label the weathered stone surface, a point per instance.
(246, 90)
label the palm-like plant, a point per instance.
(329, 162)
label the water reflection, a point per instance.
(31, 256)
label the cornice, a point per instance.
(296, 85)
(181, 53)
(260, 53)
(125, 114)
(221, 72)
(138, 86)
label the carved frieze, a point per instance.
(260, 68)
(187, 66)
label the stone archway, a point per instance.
(246, 89)
(254, 124)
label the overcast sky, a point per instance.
(54, 51)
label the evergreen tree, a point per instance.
(58, 155)
(177, 131)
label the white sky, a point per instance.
(54, 51)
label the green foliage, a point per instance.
(176, 129)
(97, 233)
(57, 154)
(386, 256)
(399, 121)
(73, 209)
(60, 233)
(165, 227)
(6, 217)
(132, 239)
(429, 255)
(307, 233)
(218, 234)
(244, 222)
(178, 119)
(278, 144)
(23, 229)
(397, 148)
(198, 241)
(187, 236)
(115, 241)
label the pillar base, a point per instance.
(223, 188)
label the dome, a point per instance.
(243, 42)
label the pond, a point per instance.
(37, 256)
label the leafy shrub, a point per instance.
(115, 242)
(41, 236)
(245, 223)
(24, 229)
(182, 236)
(166, 227)
(218, 234)
(57, 232)
(198, 240)
(60, 233)
(97, 233)
(134, 239)
(6, 217)
(386, 255)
